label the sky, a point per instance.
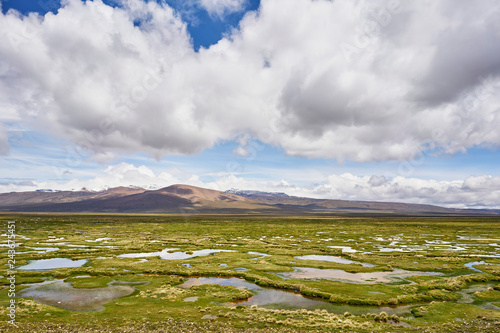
(345, 99)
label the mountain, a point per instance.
(184, 199)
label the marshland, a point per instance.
(120, 273)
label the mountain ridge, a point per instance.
(187, 199)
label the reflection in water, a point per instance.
(42, 249)
(63, 295)
(284, 299)
(260, 254)
(338, 260)
(341, 275)
(48, 264)
(468, 297)
(473, 263)
(235, 282)
(167, 255)
(345, 249)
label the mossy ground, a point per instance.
(435, 244)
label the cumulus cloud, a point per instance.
(123, 174)
(350, 80)
(4, 142)
(220, 8)
(473, 192)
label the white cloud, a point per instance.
(4, 142)
(357, 80)
(221, 8)
(122, 174)
(472, 192)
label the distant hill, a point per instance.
(184, 199)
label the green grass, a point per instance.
(159, 301)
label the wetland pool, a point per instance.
(63, 295)
(397, 275)
(54, 263)
(338, 260)
(169, 254)
(289, 300)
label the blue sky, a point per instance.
(203, 28)
(292, 100)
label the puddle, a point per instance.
(340, 275)
(387, 249)
(283, 299)
(222, 265)
(477, 238)
(191, 299)
(235, 282)
(105, 239)
(338, 260)
(54, 239)
(167, 255)
(262, 255)
(241, 269)
(468, 297)
(345, 249)
(43, 249)
(471, 264)
(429, 246)
(54, 263)
(62, 294)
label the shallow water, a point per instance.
(63, 295)
(482, 255)
(335, 259)
(467, 296)
(283, 299)
(471, 264)
(167, 255)
(235, 282)
(341, 275)
(54, 263)
(262, 255)
(42, 249)
(388, 249)
(477, 238)
(104, 239)
(345, 249)
(191, 299)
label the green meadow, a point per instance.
(252, 273)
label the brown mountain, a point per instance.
(184, 199)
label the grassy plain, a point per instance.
(460, 299)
